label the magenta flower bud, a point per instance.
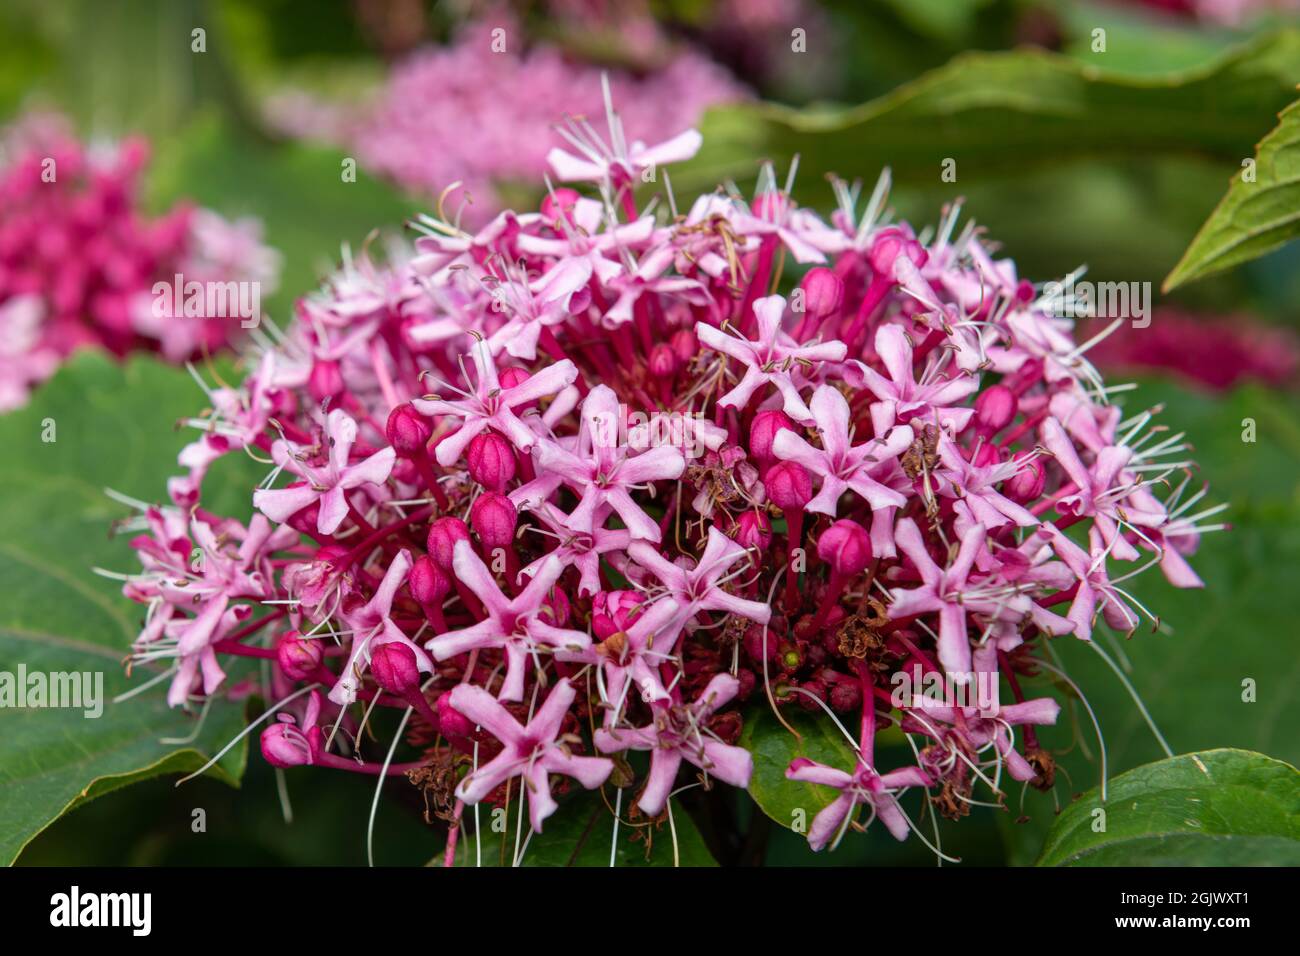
(788, 484)
(846, 547)
(408, 431)
(325, 381)
(995, 409)
(763, 432)
(559, 204)
(451, 722)
(491, 461)
(817, 688)
(556, 608)
(1026, 484)
(663, 361)
(846, 696)
(304, 520)
(823, 292)
(428, 583)
(685, 345)
(889, 244)
(299, 658)
(512, 375)
(494, 519)
(753, 530)
(283, 744)
(443, 535)
(985, 455)
(395, 669)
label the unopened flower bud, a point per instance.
(846, 696)
(408, 431)
(395, 669)
(494, 518)
(298, 657)
(818, 690)
(753, 530)
(823, 292)
(846, 547)
(685, 345)
(283, 745)
(788, 485)
(763, 432)
(1027, 483)
(325, 381)
(985, 455)
(451, 722)
(889, 244)
(559, 204)
(491, 461)
(995, 409)
(429, 584)
(663, 361)
(443, 535)
(556, 608)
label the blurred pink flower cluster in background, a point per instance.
(464, 113)
(79, 256)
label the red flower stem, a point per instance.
(794, 540)
(431, 481)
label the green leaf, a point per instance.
(1000, 114)
(1253, 217)
(111, 429)
(1216, 674)
(791, 802)
(581, 833)
(1213, 808)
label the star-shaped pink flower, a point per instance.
(772, 358)
(864, 785)
(532, 752)
(328, 485)
(491, 406)
(513, 625)
(371, 628)
(842, 465)
(679, 732)
(700, 588)
(602, 471)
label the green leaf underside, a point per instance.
(1000, 114)
(1216, 807)
(112, 428)
(1253, 218)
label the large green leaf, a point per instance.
(581, 833)
(1213, 808)
(1255, 216)
(1219, 673)
(1000, 114)
(112, 428)
(789, 802)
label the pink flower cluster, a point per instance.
(579, 484)
(473, 114)
(79, 257)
